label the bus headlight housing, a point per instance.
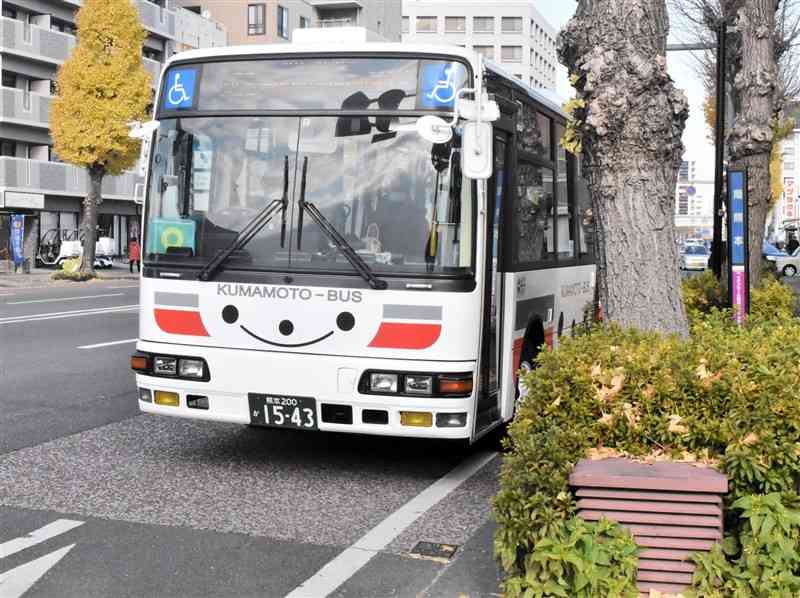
(416, 384)
(191, 368)
(383, 383)
(419, 384)
(170, 366)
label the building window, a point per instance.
(8, 148)
(9, 79)
(283, 22)
(256, 17)
(511, 25)
(483, 24)
(426, 24)
(305, 22)
(511, 53)
(455, 24)
(788, 166)
(486, 51)
(406, 25)
(9, 13)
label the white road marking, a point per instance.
(111, 344)
(344, 566)
(14, 583)
(51, 530)
(64, 299)
(67, 314)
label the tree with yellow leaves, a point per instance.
(100, 89)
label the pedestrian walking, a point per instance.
(134, 255)
(792, 245)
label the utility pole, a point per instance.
(719, 143)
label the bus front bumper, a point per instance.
(328, 383)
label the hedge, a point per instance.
(727, 397)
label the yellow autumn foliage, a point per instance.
(101, 87)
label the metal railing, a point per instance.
(25, 108)
(38, 176)
(30, 40)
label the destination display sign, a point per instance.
(300, 83)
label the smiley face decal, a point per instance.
(345, 321)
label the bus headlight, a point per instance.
(416, 384)
(382, 382)
(165, 366)
(191, 368)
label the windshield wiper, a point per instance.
(341, 243)
(251, 229)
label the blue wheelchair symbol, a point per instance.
(180, 89)
(440, 84)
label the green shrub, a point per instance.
(727, 396)
(760, 560)
(581, 560)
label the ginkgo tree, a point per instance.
(101, 87)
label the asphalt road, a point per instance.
(98, 500)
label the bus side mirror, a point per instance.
(476, 151)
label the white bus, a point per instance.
(316, 256)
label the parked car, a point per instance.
(770, 252)
(788, 265)
(695, 258)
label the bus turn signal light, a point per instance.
(416, 419)
(140, 363)
(455, 386)
(168, 399)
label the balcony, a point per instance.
(24, 108)
(329, 23)
(34, 42)
(336, 3)
(154, 68)
(55, 178)
(155, 19)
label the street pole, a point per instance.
(719, 142)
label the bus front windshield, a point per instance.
(399, 201)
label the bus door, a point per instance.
(489, 408)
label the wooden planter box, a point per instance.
(672, 509)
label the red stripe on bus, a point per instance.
(393, 335)
(180, 322)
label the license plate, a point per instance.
(281, 411)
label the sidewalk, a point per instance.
(40, 277)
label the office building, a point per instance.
(786, 211)
(36, 37)
(511, 33)
(273, 21)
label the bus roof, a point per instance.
(324, 48)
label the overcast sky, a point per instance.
(681, 68)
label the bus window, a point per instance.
(534, 214)
(565, 212)
(583, 205)
(533, 134)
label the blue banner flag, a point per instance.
(17, 238)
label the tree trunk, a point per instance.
(750, 137)
(631, 128)
(89, 225)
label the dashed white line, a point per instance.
(67, 314)
(110, 344)
(51, 530)
(14, 583)
(64, 299)
(344, 566)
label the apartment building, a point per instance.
(511, 33)
(694, 199)
(786, 211)
(36, 36)
(273, 21)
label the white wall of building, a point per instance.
(457, 22)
